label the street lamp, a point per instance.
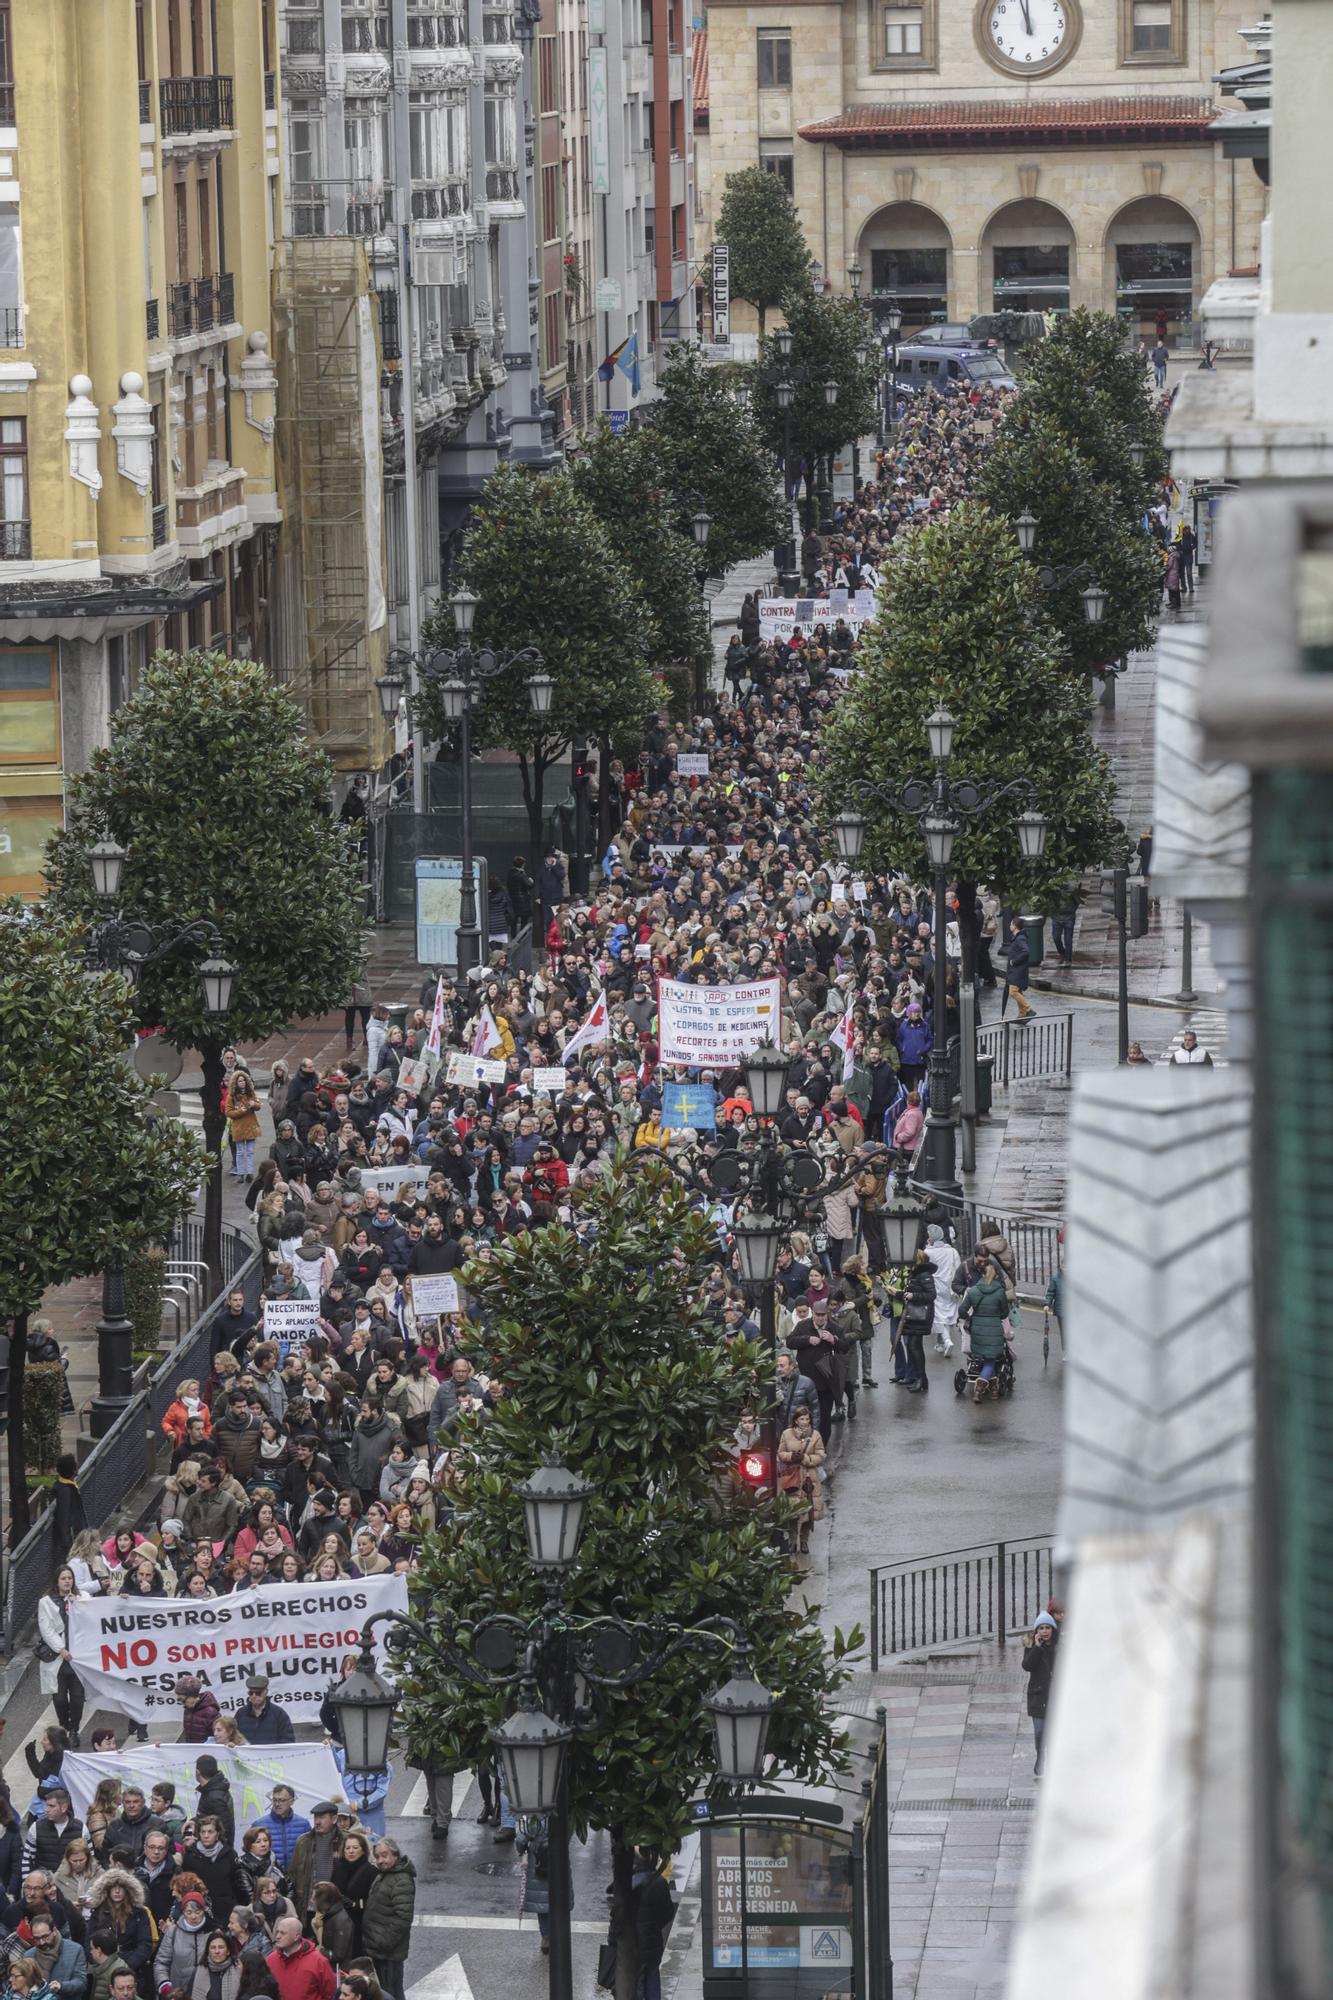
(849, 829)
(940, 727)
(555, 1659)
(700, 522)
(757, 1237)
(900, 1220)
(782, 340)
(1031, 829)
(1026, 526)
(108, 859)
(766, 1070)
(1094, 602)
(940, 831)
(854, 275)
(217, 977)
(1093, 598)
(389, 688)
(458, 676)
(1138, 451)
(555, 1501)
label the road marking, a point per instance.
(445, 1920)
(414, 1807)
(448, 1982)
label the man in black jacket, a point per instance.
(49, 1836)
(154, 1872)
(1017, 958)
(133, 1824)
(214, 1795)
(653, 1914)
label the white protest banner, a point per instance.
(391, 1181)
(550, 1079)
(779, 616)
(468, 1070)
(290, 1321)
(691, 764)
(716, 1024)
(858, 892)
(128, 1651)
(251, 1772)
(435, 1292)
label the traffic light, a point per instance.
(581, 758)
(753, 1468)
(1138, 909)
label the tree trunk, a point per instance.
(215, 1126)
(20, 1515)
(604, 826)
(533, 773)
(622, 1916)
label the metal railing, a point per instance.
(11, 326)
(152, 319)
(1033, 1239)
(180, 310)
(270, 90)
(226, 297)
(502, 183)
(205, 304)
(391, 339)
(145, 103)
(121, 1461)
(15, 541)
(1044, 1047)
(6, 104)
(986, 1592)
(160, 527)
(195, 104)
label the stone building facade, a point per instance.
(968, 167)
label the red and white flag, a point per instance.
(595, 1029)
(844, 1038)
(436, 1020)
(488, 1036)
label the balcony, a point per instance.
(15, 541)
(305, 35)
(11, 326)
(226, 297)
(159, 527)
(429, 202)
(340, 208)
(211, 509)
(502, 183)
(270, 90)
(152, 319)
(180, 310)
(497, 24)
(436, 31)
(145, 103)
(205, 305)
(391, 340)
(195, 104)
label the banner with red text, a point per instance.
(128, 1651)
(716, 1025)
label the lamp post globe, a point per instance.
(700, 523)
(217, 977)
(1138, 451)
(854, 275)
(782, 343)
(365, 1703)
(785, 394)
(900, 1221)
(766, 1069)
(1025, 527)
(940, 727)
(849, 830)
(464, 604)
(940, 833)
(741, 1713)
(541, 693)
(830, 392)
(531, 1749)
(108, 863)
(555, 1502)
(893, 320)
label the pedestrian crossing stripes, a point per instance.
(1210, 1027)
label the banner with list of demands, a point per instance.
(716, 1024)
(128, 1651)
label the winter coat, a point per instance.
(223, 1878)
(181, 1952)
(796, 1393)
(301, 1870)
(135, 1939)
(215, 1798)
(210, 1517)
(945, 1262)
(284, 1834)
(914, 1039)
(535, 1847)
(51, 1631)
(803, 1455)
(132, 1833)
(1018, 958)
(304, 1974)
(1039, 1666)
(335, 1933)
(368, 1451)
(352, 1880)
(988, 1305)
(653, 1911)
(386, 1927)
(271, 1725)
(230, 1982)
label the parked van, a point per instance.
(931, 365)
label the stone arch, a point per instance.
(1152, 264)
(1028, 258)
(906, 252)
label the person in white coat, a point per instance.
(55, 1673)
(946, 1262)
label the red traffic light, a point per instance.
(754, 1468)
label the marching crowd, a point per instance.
(330, 1454)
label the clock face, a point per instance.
(1029, 34)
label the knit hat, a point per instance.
(174, 1527)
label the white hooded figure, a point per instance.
(946, 1262)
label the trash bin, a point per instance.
(397, 1013)
(985, 1085)
(1036, 930)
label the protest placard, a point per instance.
(692, 764)
(433, 1293)
(716, 1024)
(470, 1070)
(129, 1651)
(251, 1771)
(414, 1076)
(550, 1079)
(779, 616)
(290, 1321)
(391, 1181)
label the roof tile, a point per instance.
(986, 120)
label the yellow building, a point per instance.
(1039, 154)
(138, 507)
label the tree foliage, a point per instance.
(85, 1178)
(757, 221)
(624, 480)
(827, 331)
(549, 578)
(962, 620)
(604, 1347)
(1079, 519)
(1084, 381)
(714, 449)
(224, 810)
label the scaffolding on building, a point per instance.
(329, 363)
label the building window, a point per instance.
(1031, 277)
(906, 38)
(774, 56)
(550, 204)
(29, 705)
(548, 72)
(553, 331)
(16, 542)
(1152, 31)
(775, 157)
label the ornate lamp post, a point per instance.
(461, 673)
(784, 380)
(119, 941)
(940, 806)
(542, 1658)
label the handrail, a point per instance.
(984, 1592)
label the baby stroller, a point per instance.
(1000, 1384)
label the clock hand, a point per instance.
(1027, 18)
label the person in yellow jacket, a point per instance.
(652, 1132)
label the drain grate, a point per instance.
(963, 1805)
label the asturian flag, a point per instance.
(488, 1036)
(595, 1029)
